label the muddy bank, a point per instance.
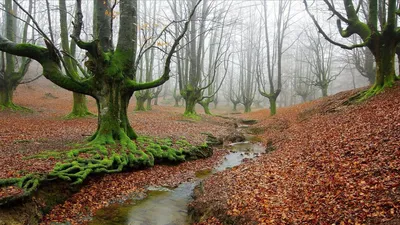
(32, 209)
(60, 202)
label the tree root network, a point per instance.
(103, 155)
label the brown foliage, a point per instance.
(26, 134)
(338, 165)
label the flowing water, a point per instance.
(164, 206)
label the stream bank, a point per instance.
(31, 209)
(49, 197)
(166, 205)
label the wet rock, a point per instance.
(235, 136)
(249, 122)
(211, 140)
(31, 209)
(199, 152)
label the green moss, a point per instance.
(374, 90)
(192, 116)
(14, 108)
(102, 158)
(22, 141)
(116, 62)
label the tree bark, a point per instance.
(113, 123)
(234, 107)
(190, 107)
(177, 100)
(324, 90)
(385, 71)
(6, 96)
(206, 106)
(272, 106)
(12, 74)
(191, 96)
(247, 107)
(140, 104)
(156, 100)
(79, 107)
(148, 105)
(303, 98)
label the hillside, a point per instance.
(333, 164)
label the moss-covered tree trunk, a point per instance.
(234, 107)
(385, 66)
(111, 80)
(191, 97)
(6, 84)
(11, 71)
(148, 103)
(113, 123)
(190, 105)
(140, 104)
(379, 32)
(206, 106)
(369, 66)
(272, 106)
(324, 90)
(247, 106)
(156, 100)
(6, 96)
(141, 97)
(79, 106)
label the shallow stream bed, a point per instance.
(165, 206)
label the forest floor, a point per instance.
(333, 164)
(26, 134)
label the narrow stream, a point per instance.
(164, 206)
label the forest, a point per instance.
(199, 112)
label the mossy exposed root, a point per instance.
(192, 116)
(364, 95)
(14, 108)
(28, 184)
(104, 155)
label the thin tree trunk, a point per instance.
(324, 90)
(272, 106)
(247, 107)
(148, 105)
(234, 107)
(6, 96)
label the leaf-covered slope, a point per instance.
(333, 165)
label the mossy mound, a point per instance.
(96, 158)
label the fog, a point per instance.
(236, 53)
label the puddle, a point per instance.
(164, 206)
